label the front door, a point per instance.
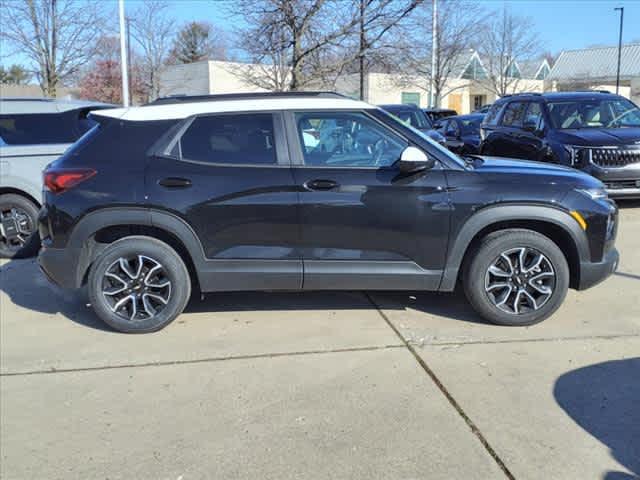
(364, 225)
(229, 177)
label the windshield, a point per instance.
(594, 113)
(413, 118)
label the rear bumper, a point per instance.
(60, 266)
(592, 273)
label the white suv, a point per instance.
(33, 133)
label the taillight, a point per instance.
(58, 180)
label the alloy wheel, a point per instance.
(136, 288)
(520, 280)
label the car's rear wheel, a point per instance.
(138, 285)
(18, 227)
(516, 277)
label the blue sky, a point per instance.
(562, 24)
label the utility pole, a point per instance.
(123, 57)
(619, 48)
(363, 46)
(128, 20)
(434, 49)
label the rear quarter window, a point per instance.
(230, 139)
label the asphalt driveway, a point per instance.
(322, 385)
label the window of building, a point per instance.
(347, 140)
(543, 73)
(474, 70)
(230, 139)
(410, 98)
(513, 71)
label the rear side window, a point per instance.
(230, 139)
(514, 114)
(44, 128)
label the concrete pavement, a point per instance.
(322, 385)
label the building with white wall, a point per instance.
(465, 91)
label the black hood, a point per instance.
(594, 137)
(536, 172)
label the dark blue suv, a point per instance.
(596, 132)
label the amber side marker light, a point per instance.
(579, 218)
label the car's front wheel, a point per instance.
(138, 285)
(516, 277)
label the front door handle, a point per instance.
(175, 182)
(320, 184)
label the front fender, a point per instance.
(503, 213)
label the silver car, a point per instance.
(33, 133)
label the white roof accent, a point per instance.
(180, 110)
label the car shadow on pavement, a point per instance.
(26, 286)
(604, 399)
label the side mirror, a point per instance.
(413, 159)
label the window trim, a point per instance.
(297, 155)
(280, 142)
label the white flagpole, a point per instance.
(123, 57)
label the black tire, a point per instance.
(28, 212)
(477, 279)
(153, 252)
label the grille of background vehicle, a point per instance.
(614, 157)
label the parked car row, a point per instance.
(596, 132)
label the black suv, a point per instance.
(596, 132)
(306, 192)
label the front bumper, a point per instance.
(592, 273)
(621, 183)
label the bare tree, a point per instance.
(374, 45)
(458, 24)
(152, 30)
(56, 36)
(507, 39)
(293, 37)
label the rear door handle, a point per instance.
(320, 184)
(175, 182)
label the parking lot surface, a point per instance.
(322, 385)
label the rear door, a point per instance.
(364, 225)
(229, 177)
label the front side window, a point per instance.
(347, 140)
(230, 139)
(514, 114)
(594, 113)
(413, 118)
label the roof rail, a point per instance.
(182, 98)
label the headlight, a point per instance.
(593, 193)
